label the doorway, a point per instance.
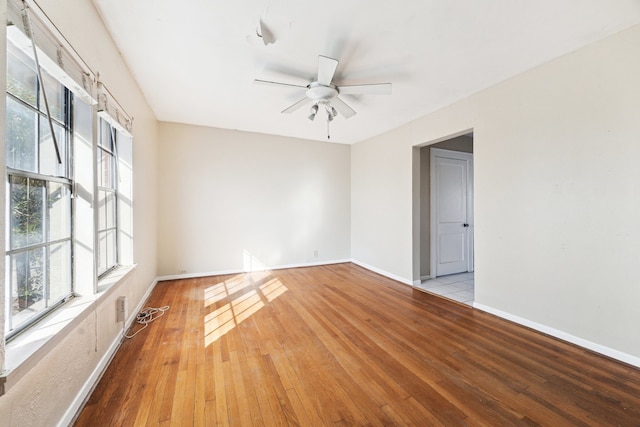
(425, 248)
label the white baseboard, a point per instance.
(140, 306)
(610, 352)
(240, 271)
(300, 265)
(384, 273)
(90, 384)
(195, 275)
(310, 264)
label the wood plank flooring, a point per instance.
(339, 345)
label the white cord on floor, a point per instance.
(146, 316)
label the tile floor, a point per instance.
(458, 287)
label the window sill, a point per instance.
(107, 281)
(27, 349)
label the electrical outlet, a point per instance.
(315, 253)
(121, 308)
(182, 271)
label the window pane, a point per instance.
(27, 285)
(27, 211)
(101, 167)
(48, 159)
(83, 121)
(59, 211)
(59, 272)
(21, 75)
(102, 205)
(107, 250)
(102, 252)
(106, 137)
(106, 169)
(55, 96)
(111, 248)
(21, 136)
(110, 210)
(106, 210)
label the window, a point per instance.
(68, 175)
(39, 184)
(113, 190)
(107, 204)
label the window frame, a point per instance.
(28, 25)
(101, 150)
(46, 243)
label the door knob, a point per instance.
(465, 225)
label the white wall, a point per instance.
(557, 194)
(227, 194)
(48, 388)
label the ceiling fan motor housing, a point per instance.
(318, 92)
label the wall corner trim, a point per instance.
(598, 348)
(385, 273)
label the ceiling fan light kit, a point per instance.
(314, 111)
(322, 91)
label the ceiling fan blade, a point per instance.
(268, 83)
(326, 69)
(342, 107)
(297, 105)
(367, 89)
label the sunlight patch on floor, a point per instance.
(273, 289)
(225, 318)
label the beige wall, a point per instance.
(227, 195)
(47, 391)
(385, 179)
(556, 195)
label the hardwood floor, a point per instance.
(339, 345)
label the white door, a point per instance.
(453, 212)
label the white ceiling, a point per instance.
(195, 60)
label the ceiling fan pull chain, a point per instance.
(328, 136)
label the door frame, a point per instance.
(468, 158)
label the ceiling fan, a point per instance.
(322, 93)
